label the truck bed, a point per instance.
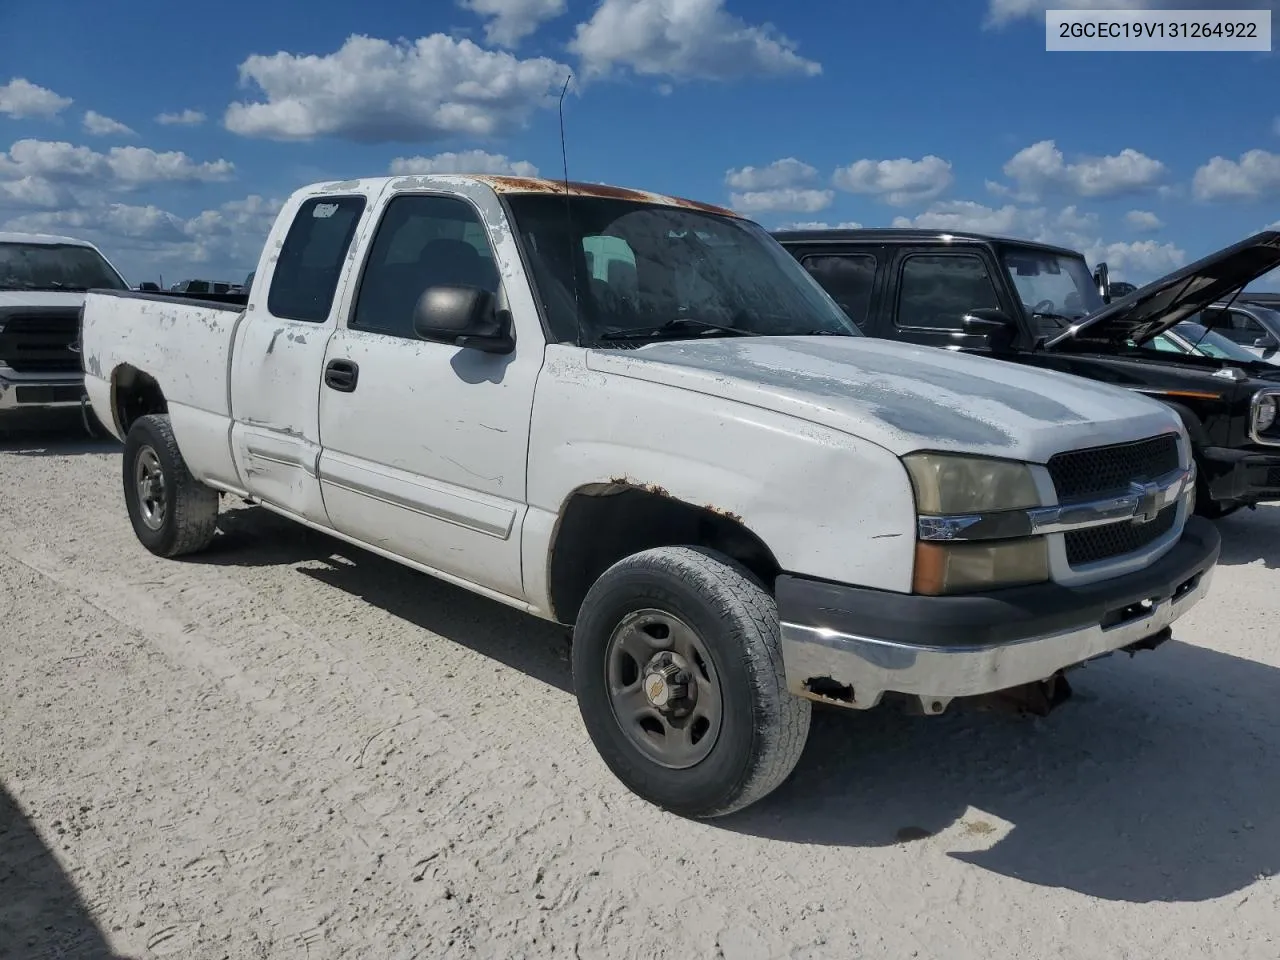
(185, 343)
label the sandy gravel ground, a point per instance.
(291, 749)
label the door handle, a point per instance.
(341, 375)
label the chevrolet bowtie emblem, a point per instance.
(1148, 505)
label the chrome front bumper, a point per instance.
(937, 659)
(34, 393)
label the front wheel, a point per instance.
(172, 512)
(677, 666)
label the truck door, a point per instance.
(279, 353)
(425, 443)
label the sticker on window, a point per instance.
(322, 211)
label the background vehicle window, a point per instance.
(848, 278)
(1236, 326)
(421, 242)
(936, 291)
(306, 275)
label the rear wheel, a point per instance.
(677, 666)
(172, 512)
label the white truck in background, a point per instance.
(640, 417)
(43, 279)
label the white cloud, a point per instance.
(1042, 167)
(966, 215)
(32, 193)
(1142, 259)
(897, 182)
(187, 118)
(59, 162)
(21, 99)
(224, 241)
(684, 39)
(784, 185)
(1256, 174)
(820, 225)
(788, 172)
(374, 91)
(1072, 219)
(798, 199)
(1000, 12)
(468, 161)
(1143, 220)
(513, 20)
(100, 126)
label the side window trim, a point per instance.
(382, 207)
(306, 208)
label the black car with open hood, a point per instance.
(1038, 304)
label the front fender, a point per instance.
(826, 504)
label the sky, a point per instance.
(170, 138)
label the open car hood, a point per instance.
(1150, 310)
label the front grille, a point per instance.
(1273, 477)
(1078, 474)
(40, 343)
(1117, 539)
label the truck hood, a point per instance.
(899, 396)
(41, 298)
(1150, 310)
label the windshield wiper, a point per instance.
(678, 325)
(1057, 317)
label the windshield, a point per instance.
(41, 266)
(611, 270)
(1055, 289)
(1194, 338)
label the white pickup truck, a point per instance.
(639, 416)
(43, 279)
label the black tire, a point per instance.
(1212, 509)
(183, 514)
(761, 728)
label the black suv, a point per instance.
(1038, 304)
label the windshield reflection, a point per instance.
(613, 271)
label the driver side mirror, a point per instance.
(1267, 342)
(995, 326)
(1102, 280)
(464, 316)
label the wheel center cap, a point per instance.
(657, 690)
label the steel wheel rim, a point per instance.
(682, 731)
(150, 488)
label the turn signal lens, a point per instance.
(949, 568)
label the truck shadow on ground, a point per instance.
(1156, 782)
(1249, 535)
(41, 914)
(252, 536)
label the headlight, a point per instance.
(957, 486)
(1264, 414)
(946, 484)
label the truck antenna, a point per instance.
(568, 215)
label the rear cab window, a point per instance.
(310, 264)
(849, 278)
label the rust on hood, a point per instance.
(508, 184)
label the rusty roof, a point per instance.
(506, 184)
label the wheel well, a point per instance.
(134, 394)
(600, 525)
